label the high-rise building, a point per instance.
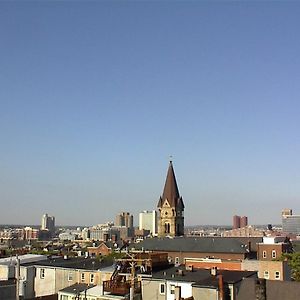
(236, 222)
(239, 222)
(170, 207)
(148, 221)
(243, 222)
(48, 223)
(290, 222)
(124, 219)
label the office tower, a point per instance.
(148, 221)
(286, 212)
(243, 221)
(236, 222)
(48, 223)
(290, 222)
(124, 219)
(170, 207)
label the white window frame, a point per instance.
(82, 277)
(273, 253)
(160, 289)
(264, 254)
(177, 260)
(92, 278)
(172, 289)
(70, 276)
(277, 275)
(42, 273)
(266, 274)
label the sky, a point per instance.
(96, 95)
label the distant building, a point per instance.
(244, 221)
(247, 231)
(290, 222)
(170, 207)
(239, 222)
(236, 222)
(148, 221)
(31, 233)
(124, 219)
(48, 223)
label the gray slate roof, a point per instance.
(192, 244)
(72, 263)
(201, 277)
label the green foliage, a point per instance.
(294, 262)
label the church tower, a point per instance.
(170, 208)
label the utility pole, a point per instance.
(133, 262)
(17, 278)
(132, 283)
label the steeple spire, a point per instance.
(170, 207)
(171, 192)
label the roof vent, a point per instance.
(189, 268)
(214, 271)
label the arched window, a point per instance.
(167, 227)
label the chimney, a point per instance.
(213, 271)
(177, 292)
(189, 268)
(221, 287)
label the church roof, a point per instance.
(171, 192)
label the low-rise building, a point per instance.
(273, 247)
(177, 282)
(82, 291)
(180, 248)
(57, 273)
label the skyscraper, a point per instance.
(239, 222)
(170, 207)
(243, 221)
(124, 219)
(48, 223)
(236, 222)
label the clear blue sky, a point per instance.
(95, 96)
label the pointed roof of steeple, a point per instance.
(171, 192)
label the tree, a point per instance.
(294, 262)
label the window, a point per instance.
(264, 254)
(70, 276)
(82, 276)
(162, 288)
(176, 260)
(92, 278)
(277, 275)
(273, 253)
(266, 274)
(64, 297)
(172, 289)
(167, 227)
(42, 273)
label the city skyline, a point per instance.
(96, 96)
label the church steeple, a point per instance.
(170, 205)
